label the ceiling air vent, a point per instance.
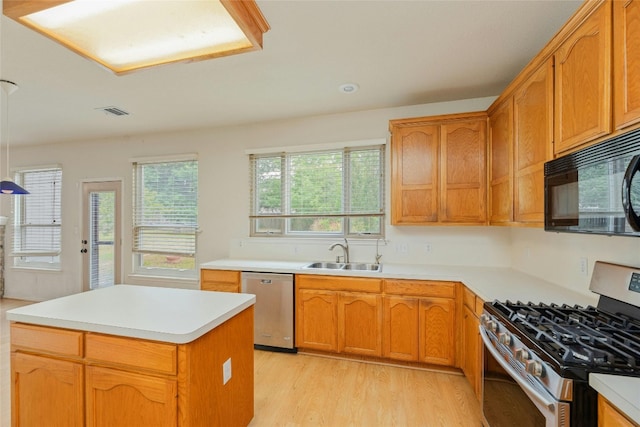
(113, 111)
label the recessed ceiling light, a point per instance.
(349, 88)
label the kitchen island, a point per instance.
(133, 355)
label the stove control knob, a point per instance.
(534, 368)
(505, 339)
(492, 325)
(521, 355)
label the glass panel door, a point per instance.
(100, 243)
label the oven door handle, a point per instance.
(534, 394)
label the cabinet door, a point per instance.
(471, 347)
(360, 324)
(463, 184)
(400, 328)
(583, 82)
(46, 392)
(414, 180)
(122, 399)
(626, 62)
(317, 320)
(437, 331)
(533, 122)
(501, 164)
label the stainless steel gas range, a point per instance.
(538, 356)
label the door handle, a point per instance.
(83, 251)
(632, 217)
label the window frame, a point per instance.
(346, 215)
(21, 258)
(138, 195)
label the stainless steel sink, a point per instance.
(327, 265)
(362, 266)
(354, 266)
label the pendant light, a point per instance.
(7, 186)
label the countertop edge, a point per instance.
(198, 328)
(617, 389)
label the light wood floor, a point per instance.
(309, 390)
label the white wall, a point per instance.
(224, 204)
(224, 193)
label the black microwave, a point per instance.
(596, 189)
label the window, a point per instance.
(37, 223)
(165, 217)
(337, 192)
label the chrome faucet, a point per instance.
(378, 254)
(345, 249)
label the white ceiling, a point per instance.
(399, 52)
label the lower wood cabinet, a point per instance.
(610, 416)
(73, 378)
(471, 349)
(395, 319)
(317, 319)
(46, 391)
(220, 280)
(360, 324)
(122, 398)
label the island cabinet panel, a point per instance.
(438, 171)
(415, 172)
(626, 62)
(437, 343)
(400, 328)
(131, 353)
(62, 342)
(583, 82)
(123, 381)
(317, 319)
(219, 280)
(501, 164)
(533, 141)
(610, 416)
(360, 324)
(121, 399)
(46, 391)
(463, 172)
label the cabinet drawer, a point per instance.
(339, 283)
(220, 276)
(48, 340)
(132, 353)
(421, 288)
(472, 301)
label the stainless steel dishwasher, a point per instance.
(273, 311)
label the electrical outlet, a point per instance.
(402, 248)
(427, 247)
(584, 266)
(226, 371)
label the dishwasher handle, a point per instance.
(266, 281)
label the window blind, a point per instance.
(339, 191)
(165, 208)
(37, 216)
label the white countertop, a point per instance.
(163, 314)
(623, 392)
(489, 283)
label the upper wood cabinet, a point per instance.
(414, 173)
(583, 82)
(501, 163)
(438, 172)
(463, 191)
(533, 137)
(626, 62)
